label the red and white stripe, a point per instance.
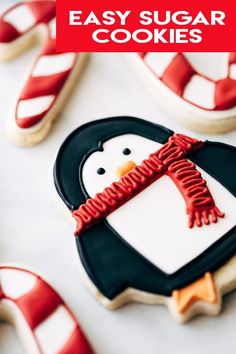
(50, 71)
(49, 325)
(182, 74)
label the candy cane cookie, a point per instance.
(53, 74)
(43, 321)
(197, 89)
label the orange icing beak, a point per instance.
(125, 168)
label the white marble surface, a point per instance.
(34, 233)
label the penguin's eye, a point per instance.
(100, 171)
(126, 151)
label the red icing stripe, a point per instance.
(225, 94)
(142, 54)
(2, 296)
(44, 85)
(8, 33)
(49, 48)
(77, 344)
(178, 74)
(232, 58)
(37, 87)
(43, 11)
(39, 303)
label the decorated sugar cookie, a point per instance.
(44, 322)
(155, 214)
(52, 76)
(198, 89)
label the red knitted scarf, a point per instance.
(169, 160)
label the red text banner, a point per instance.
(146, 26)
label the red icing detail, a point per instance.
(184, 174)
(142, 54)
(8, 33)
(185, 142)
(199, 201)
(225, 94)
(42, 299)
(1, 293)
(37, 86)
(77, 344)
(44, 11)
(49, 48)
(178, 74)
(232, 58)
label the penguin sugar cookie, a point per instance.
(155, 214)
(43, 321)
(197, 89)
(51, 79)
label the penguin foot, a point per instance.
(202, 289)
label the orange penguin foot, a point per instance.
(202, 289)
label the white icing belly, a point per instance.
(155, 223)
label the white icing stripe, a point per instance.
(232, 72)
(34, 106)
(159, 62)
(212, 65)
(21, 18)
(53, 64)
(16, 283)
(52, 29)
(200, 91)
(61, 324)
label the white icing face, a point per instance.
(112, 157)
(155, 222)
